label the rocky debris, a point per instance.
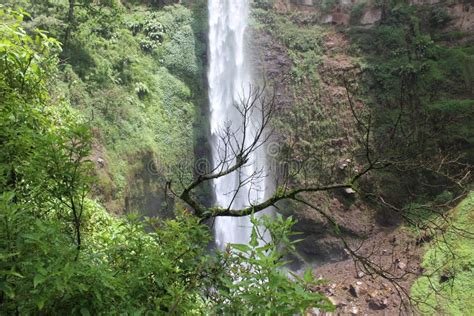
(354, 310)
(371, 16)
(402, 265)
(369, 294)
(101, 162)
(358, 289)
(343, 165)
(378, 302)
(349, 191)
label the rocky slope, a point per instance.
(305, 51)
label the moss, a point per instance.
(303, 41)
(136, 74)
(448, 290)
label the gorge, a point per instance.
(121, 122)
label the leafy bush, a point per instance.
(179, 54)
(99, 72)
(422, 87)
(255, 276)
(264, 4)
(328, 5)
(62, 253)
(141, 90)
(439, 18)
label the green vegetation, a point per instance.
(414, 77)
(310, 125)
(357, 12)
(448, 282)
(136, 75)
(420, 89)
(62, 253)
(304, 42)
(420, 93)
(92, 124)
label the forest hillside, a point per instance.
(354, 135)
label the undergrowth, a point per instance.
(448, 282)
(136, 74)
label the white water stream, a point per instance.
(229, 78)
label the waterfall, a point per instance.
(229, 78)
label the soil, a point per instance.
(356, 291)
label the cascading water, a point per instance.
(229, 80)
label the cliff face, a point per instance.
(368, 12)
(321, 56)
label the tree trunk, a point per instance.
(70, 22)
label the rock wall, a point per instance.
(366, 13)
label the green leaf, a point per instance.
(11, 273)
(38, 279)
(253, 238)
(308, 275)
(7, 289)
(240, 247)
(40, 303)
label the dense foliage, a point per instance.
(62, 253)
(135, 73)
(405, 83)
(418, 83)
(96, 122)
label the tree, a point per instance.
(44, 146)
(375, 151)
(61, 253)
(237, 150)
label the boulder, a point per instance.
(357, 289)
(371, 16)
(378, 303)
(349, 191)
